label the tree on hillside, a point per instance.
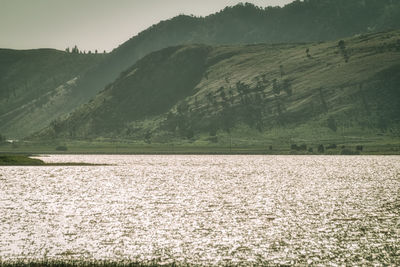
(210, 98)
(75, 50)
(56, 125)
(341, 45)
(282, 72)
(287, 87)
(323, 102)
(147, 137)
(276, 88)
(222, 94)
(343, 51)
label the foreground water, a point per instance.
(204, 209)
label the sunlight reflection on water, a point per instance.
(204, 209)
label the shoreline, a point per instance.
(28, 160)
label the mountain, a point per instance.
(310, 92)
(35, 85)
(300, 21)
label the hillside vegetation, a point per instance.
(36, 86)
(19, 160)
(344, 91)
(300, 21)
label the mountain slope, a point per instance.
(30, 81)
(300, 21)
(303, 90)
(306, 21)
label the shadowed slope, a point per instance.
(35, 86)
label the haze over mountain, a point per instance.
(306, 21)
(37, 86)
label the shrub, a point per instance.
(303, 147)
(331, 146)
(213, 131)
(321, 149)
(294, 147)
(189, 133)
(61, 148)
(147, 137)
(276, 88)
(341, 45)
(287, 87)
(213, 139)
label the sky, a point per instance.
(94, 24)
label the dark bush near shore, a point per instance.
(331, 146)
(61, 148)
(321, 149)
(302, 147)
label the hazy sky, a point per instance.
(94, 24)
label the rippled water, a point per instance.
(204, 209)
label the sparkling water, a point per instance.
(204, 209)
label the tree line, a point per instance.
(75, 50)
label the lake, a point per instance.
(204, 209)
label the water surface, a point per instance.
(204, 209)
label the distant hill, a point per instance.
(300, 21)
(34, 85)
(316, 92)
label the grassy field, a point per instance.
(227, 144)
(26, 160)
(19, 160)
(304, 139)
